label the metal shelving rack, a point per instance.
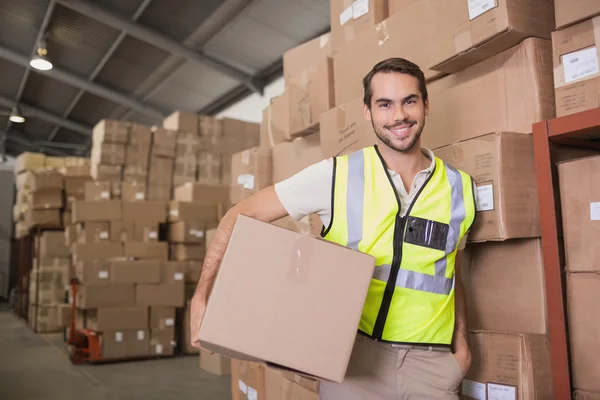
(578, 130)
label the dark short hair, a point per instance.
(398, 65)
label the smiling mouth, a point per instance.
(398, 130)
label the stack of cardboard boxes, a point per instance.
(162, 154)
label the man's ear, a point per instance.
(426, 103)
(367, 112)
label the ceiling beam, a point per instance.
(140, 10)
(20, 139)
(31, 111)
(91, 10)
(91, 87)
(39, 36)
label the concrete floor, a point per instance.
(36, 367)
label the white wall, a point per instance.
(250, 109)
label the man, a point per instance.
(408, 209)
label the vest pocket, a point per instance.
(426, 233)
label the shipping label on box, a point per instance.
(350, 18)
(187, 232)
(93, 273)
(133, 191)
(92, 232)
(162, 317)
(97, 190)
(162, 342)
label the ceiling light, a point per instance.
(16, 117)
(40, 60)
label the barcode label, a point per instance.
(485, 197)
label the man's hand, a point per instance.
(460, 340)
(198, 307)
(464, 358)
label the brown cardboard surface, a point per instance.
(162, 317)
(275, 126)
(209, 167)
(133, 191)
(139, 271)
(186, 211)
(108, 154)
(344, 129)
(290, 158)
(273, 304)
(277, 386)
(95, 211)
(584, 329)
(44, 218)
(173, 272)
(76, 171)
(54, 162)
(513, 364)
(161, 170)
(93, 273)
(46, 199)
(202, 193)
(112, 295)
(28, 161)
(124, 344)
(139, 135)
(188, 144)
(46, 179)
(145, 232)
(146, 211)
(583, 395)
(495, 29)
(117, 318)
(183, 252)
(108, 172)
(251, 171)
(92, 232)
(580, 206)
(503, 168)
(97, 190)
(96, 251)
(347, 23)
(111, 131)
(181, 121)
(580, 91)
(311, 93)
(121, 231)
(210, 126)
(168, 295)
(215, 364)
(490, 280)
(192, 270)
(187, 232)
(52, 244)
(161, 192)
(75, 187)
(147, 251)
(571, 11)
(162, 342)
(247, 377)
(385, 40)
(304, 56)
(522, 72)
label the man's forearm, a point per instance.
(461, 335)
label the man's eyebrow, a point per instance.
(409, 97)
(384, 100)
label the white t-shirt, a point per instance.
(309, 191)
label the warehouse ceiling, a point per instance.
(137, 60)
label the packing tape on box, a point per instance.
(270, 124)
(324, 40)
(301, 255)
(381, 32)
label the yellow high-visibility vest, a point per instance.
(411, 295)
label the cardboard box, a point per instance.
(139, 271)
(161, 170)
(164, 143)
(576, 74)
(117, 318)
(121, 231)
(188, 144)
(275, 126)
(96, 251)
(202, 193)
(181, 121)
(96, 211)
(580, 202)
(279, 386)
(108, 154)
(489, 281)
(92, 232)
(167, 295)
(43, 218)
(147, 211)
(137, 159)
(311, 93)
(106, 172)
(350, 18)
(187, 232)
(258, 249)
(583, 395)
(46, 293)
(147, 251)
(54, 162)
(290, 158)
(47, 199)
(162, 317)
(522, 72)
(133, 191)
(210, 126)
(209, 167)
(159, 192)
(251, 171)
(28, 161)
(186, 211)
(183, 252)
(247, 377)
(344, 129)
(145, 232)
(514, 365)
(484, 29)
(503, 168)
(172, 272)
(93, 273)
(43, 318)
(52, 245)
(184, 170)
(386, 40)
(97, 190)
(111, 131)
(139, 135)
(111, 295)
(568, 11)
(162, 342)
(76, 171)
(125, 344)
(304, 56)
(75, 187)
(215, 364)
(47, 179)
(582, 294)
(191, 270)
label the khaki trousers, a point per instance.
(380, 371)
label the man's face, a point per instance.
(397, 110)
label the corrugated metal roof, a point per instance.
(36, 129)
(67, 136)
(48, 94)
(10, 77)
(125, 7)
(90, 109)
(19, 23)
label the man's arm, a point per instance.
(264, 206)
(461, 335)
